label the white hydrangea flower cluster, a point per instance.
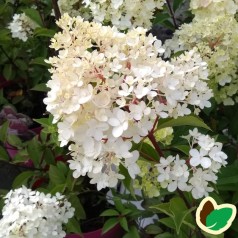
(31, 214)
(22, 27)
(108, 88)
(195, 174)
(213, 8)
(124, 14)
(216, 39)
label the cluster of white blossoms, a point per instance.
(22, 27)
(216, 38)
(213, 8)
(196, 173)
(108, 89)
(31, 214)
(124, 14)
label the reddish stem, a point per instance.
(155, 144)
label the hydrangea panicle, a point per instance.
(198, 172)
(106, 98)
(22, 27)
(31, 214)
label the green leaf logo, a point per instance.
(215, 219)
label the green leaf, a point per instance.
(127, 181)
(35, 151)
(212, 236)
(63, 168)
(73, 226)
(133, 233)
(228, 175)
(40, 88)
(165, 235)
(49, 156)
(3, 154)
(218, 218)
(183, 148)
(79, 210)
(149, 150)
(58, 189)
(124, 224)
(56, 177)
(34, 15)
(235, 198)
(22, 179)
(182, 121)
(153, 229)
(168, 221)
(110, 212)
(160, 17)
(176, 4)
(40, 61)
(21, 64)
(3, 131)
(14, 141)
(44, 32)
(164, 208)
(109, 224)
(118, 204)
(44, 121)
(179, 211)
(7, 71)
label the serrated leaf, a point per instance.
(22, 179)
(109, 224)
(110, 212)
(34, 15)
(182, 121)
(218, 218)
